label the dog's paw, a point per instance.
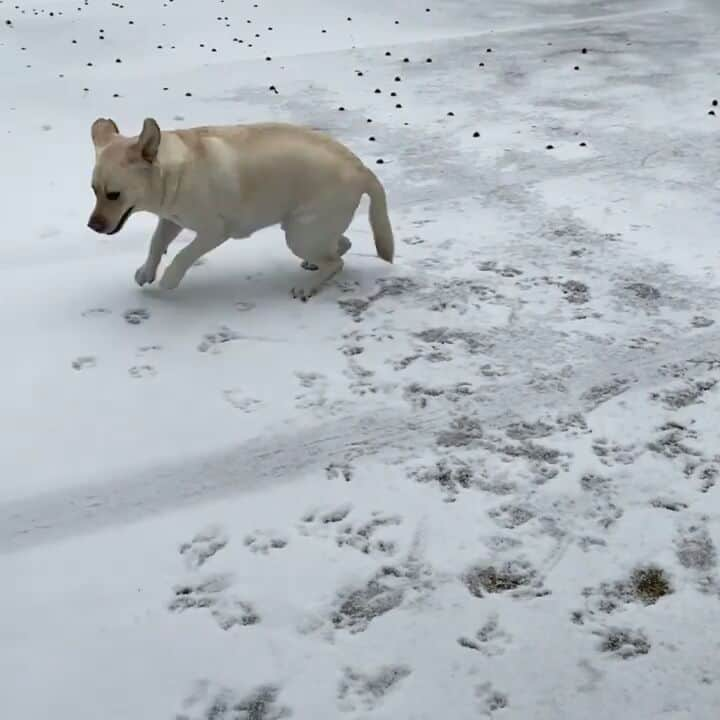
(303, 293)
(143, 276)
(171, 278)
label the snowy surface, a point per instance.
(483, 482)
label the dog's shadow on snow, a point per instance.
(211, 291)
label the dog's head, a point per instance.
(125, 169)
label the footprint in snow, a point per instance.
(326, 517)
(215, 702)
(624, 643)
(490, 699)
(238, 400)
(142, 371)
(363, 690)
(264, 541)
(92, 312)
(144, 349)
(490, 639)
(84, 362)
(211, 593)
(203, 546)
(212, 341)
(136, 316)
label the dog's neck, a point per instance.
(171, 163)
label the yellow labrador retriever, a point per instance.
(229, 181)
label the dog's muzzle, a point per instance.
(97, 223)
(123, 220)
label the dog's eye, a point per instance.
(112, 195)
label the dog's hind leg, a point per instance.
(315, 234)
(343, 246)
(319, 241)
(202, 244)
(165, 232)
(325, 271)
(324, 256)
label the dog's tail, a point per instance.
(379, 220)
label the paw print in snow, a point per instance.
(358, 535)
(314, 520)
(411, 580)
(202, 547)
(211, 593)
(314, 394)
(515, 577)
(339, 470)
(624, 644)
(221, 703)
(489, 639)
(84, 362)
(511, 516)
(240, 401)
(138, 372)
(491, 700)
(136, 316)
(362, 535)
(96, 311)
(263, 542)
(145, 349)
(212, 341)
(610, 453)
(369, 689)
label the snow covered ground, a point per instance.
(482, 482)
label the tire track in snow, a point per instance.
(261, 462)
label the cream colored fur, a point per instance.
(230, 181)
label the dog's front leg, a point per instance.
(203, 243)
(165, 232)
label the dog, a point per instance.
(230, 181)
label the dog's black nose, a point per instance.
(97, 223)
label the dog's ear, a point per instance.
(102, 131)
(149, 141)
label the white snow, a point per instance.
(482, 482)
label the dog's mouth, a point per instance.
(123, 220)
